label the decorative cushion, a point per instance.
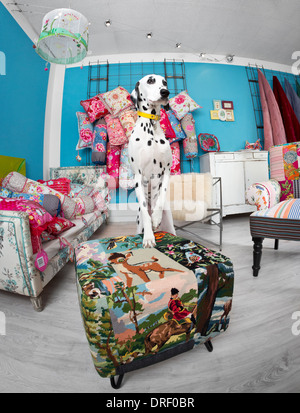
(38, 217)
(61, 184)
(166, 125)
(284, 161)
(59, 225)
(18, 183)
(263, 194)
(86, 131)
(126, 175)
(254, 146)
(117, 100)
(81, 190)
(289, 209)
(175, 168)
(176, 126)
(113, 164)
(182, 104)
(128, 119)
(208, 142)
(94, 107)
(115, 131)
(190, 145)
(286, 190)
(99, 143)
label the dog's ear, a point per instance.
(135, 95)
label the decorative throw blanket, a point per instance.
(140, 306)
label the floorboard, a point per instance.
(48, 351)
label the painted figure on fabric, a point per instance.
(177, 308)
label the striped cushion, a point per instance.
(280, 222)
(289, 209)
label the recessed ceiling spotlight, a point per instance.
(178, 45)
(107, 23)
(229, 58)
(149, 35)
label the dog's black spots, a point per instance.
(144, 204)
(162, 141)
(137, 184)
(165, 189)
(142, 124)
(168, 164)
(132, 160)
(160, 185)
(158, 175)
(151, 132)
(160, 164)
(144, 128)
(138, 222)
(144, 107)
(140, 172)
(153, 111)
(149, 143)
(154, 161)
(137, 139)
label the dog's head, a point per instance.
(150, 91)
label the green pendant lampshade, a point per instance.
(64, 37)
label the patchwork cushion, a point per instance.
(263, 194)
(94, 107)
(85, 130)
(113, 164)
(60, 184)
(284, 161)
(140, 301)
(59, 225)
(117, 100)
(182, 104)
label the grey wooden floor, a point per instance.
(48, 351)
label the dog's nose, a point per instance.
(164, 93)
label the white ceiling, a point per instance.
(257, 29)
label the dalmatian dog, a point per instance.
(151, 158)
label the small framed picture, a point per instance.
(217, 104)
(229, 116)
(214, 114)
(227, 104)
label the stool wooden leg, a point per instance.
(116, 385)
(257, 251)
(209, 346)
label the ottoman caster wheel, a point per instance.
(116, 385)
(209, 346)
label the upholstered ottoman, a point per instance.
(141, 306)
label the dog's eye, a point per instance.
(164, 82)
(151, 81)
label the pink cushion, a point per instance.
(115, 131)
(94, 107)
(166, 125)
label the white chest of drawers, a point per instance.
(238, 170)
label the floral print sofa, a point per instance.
(18, 272)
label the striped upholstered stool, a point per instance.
(281, 221)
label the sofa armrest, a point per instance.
(17, 270)
(263, 194)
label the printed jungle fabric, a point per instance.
(139, 303)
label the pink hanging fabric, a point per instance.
(290, 121)
(274, 132)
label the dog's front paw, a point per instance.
(149, 241)
(156, 219)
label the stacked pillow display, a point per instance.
(107, 122)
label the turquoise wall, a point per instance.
(23, 92)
